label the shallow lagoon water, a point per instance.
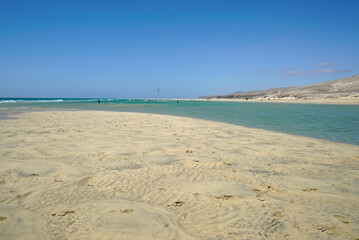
(338, 123)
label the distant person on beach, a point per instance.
(98, 100)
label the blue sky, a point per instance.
(187, 48)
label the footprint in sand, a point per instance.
(341, 218)
(2, 218)
(176, 204)
(327, 230)
(117, 189)
(260, 198)
(86, 182)
(224, 197)
(63, 213)
(309, 189)
(189, 151)
(126, 211)
(259, 195)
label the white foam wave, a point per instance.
(31, 101)
(58, 100)
(81, 100)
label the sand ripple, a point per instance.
(102, 175)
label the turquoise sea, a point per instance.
(338, 123)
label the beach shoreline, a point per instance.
(96, 174)
(293, 101)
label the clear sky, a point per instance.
(190, 48)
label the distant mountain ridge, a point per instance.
(340, 88)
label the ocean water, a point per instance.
(339, 123)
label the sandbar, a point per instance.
(112, 175)
(335, 101)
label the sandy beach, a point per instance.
(111, 175)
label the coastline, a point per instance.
(91, 174)
(294, 101)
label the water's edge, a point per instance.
(338, 123)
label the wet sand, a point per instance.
(111, 175)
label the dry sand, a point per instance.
(107, 175)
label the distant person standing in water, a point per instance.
(98, 100)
